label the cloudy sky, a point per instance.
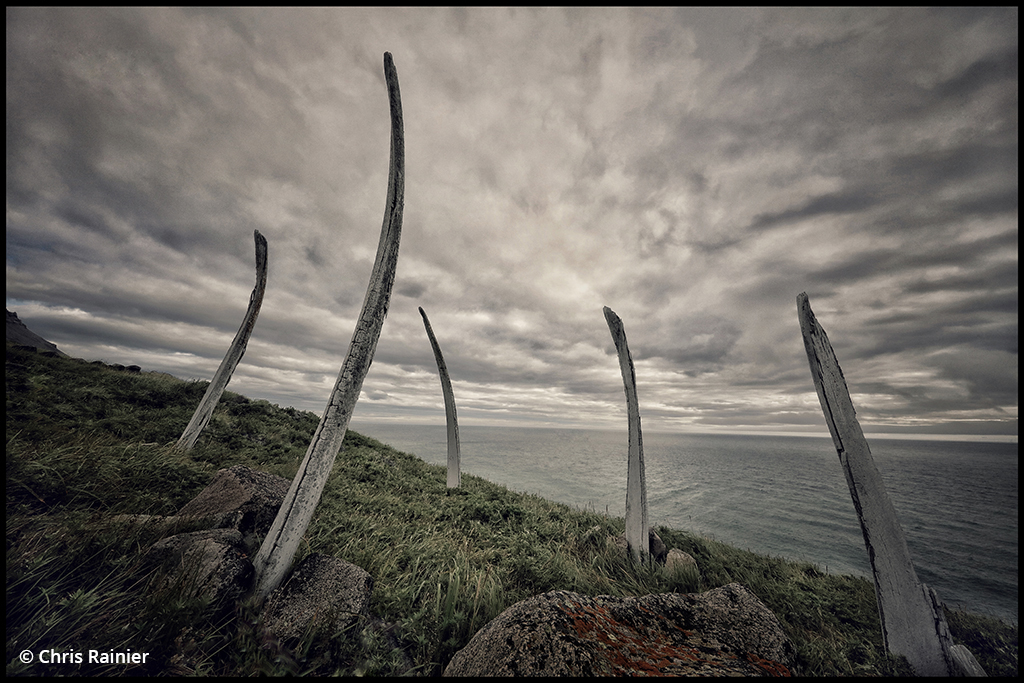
(694, 170)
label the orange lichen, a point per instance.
(772, 667)
(654, 652)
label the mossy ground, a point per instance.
(86, 442)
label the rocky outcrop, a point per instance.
(723, 632)
(726, 631)
(19, 335)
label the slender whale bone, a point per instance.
(275, 556)
(454, 453)
(637, 530)
(220, 380)
(913, 624)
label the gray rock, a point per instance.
(211, 564)
(659, 551)
(238, 498)
(723, 632)
(322, 591)
(241, 498)
(678, 561)
(173, 547)
(657, 547)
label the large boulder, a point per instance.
(723, 632)
(322, 591)
(211, 564)
(239, 498)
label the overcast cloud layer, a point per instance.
(694, 170)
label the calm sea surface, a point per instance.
(782, 496)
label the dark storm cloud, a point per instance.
(982, 322)
(915, 260)
(834, 203)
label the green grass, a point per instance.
(86, 442)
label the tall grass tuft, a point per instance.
(87, 442)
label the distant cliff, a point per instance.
(18, 333)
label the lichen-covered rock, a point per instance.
(723, 632)
(322, 589)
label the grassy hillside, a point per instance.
(86, 442)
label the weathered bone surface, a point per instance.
(235, 352)
(454, 455)
(636, 481)
(913, 624)
(276, 554)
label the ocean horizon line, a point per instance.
(898, 436)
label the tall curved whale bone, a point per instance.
(220, 380)
(275, 556)
(454, 454)
(637, 529)
(913, 624)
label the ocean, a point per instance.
(774, 495)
